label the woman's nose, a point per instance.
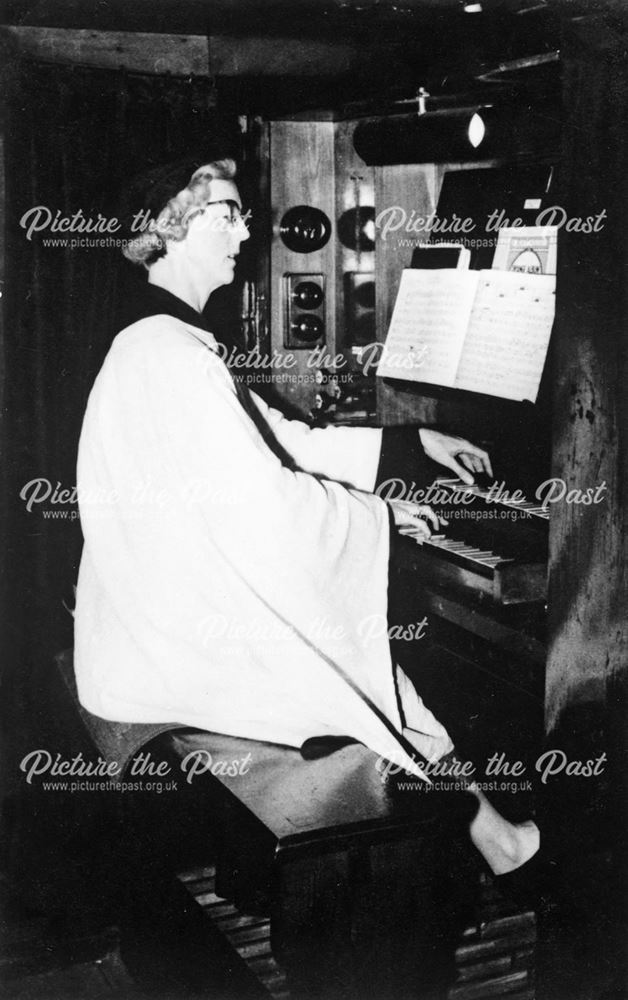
(242, 232)
(238, 237)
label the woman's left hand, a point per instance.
(415, 518)
(447, 449)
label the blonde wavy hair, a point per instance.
(173, 219)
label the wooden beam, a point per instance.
(184, 55)
(181, 55)
(287, 56)
(315, 18)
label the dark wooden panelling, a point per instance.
(302, 173)
(588, 641)
(411, 187)
(353, 184)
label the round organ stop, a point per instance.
(304, 229)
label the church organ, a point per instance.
(486, 578)
(505, 611)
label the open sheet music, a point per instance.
(484, 331)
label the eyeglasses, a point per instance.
(235, 218)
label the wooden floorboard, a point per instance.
(96, 980)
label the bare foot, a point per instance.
(504, 846)
(527, 841)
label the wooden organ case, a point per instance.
(530, 652)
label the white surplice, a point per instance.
(218, 588)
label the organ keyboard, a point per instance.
(494, 494)
(495, 548)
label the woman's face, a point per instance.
(215, 234)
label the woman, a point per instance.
(232, 556)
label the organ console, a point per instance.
(482, 581)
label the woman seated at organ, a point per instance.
(220, 510)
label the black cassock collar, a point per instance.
(142, 300)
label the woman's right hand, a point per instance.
(415, 518)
